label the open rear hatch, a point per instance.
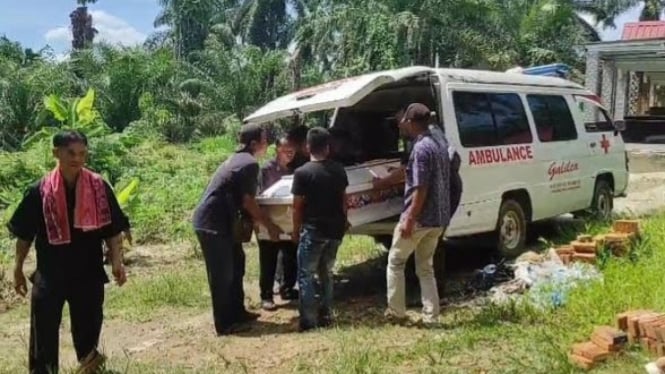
(341, 93)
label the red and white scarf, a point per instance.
(91, 211)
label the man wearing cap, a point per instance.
(425, 216)
(230, 194)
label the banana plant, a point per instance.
(76, 114)
(125, 197)
(127, 193)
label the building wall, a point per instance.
(592, 76)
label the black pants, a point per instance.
(268, 259)
(85, 300)
(225, 265)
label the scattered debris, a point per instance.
(489, 276)
(546, 278)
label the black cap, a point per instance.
(417, 112)
(249, 133)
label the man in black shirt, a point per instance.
(319, 224)
(217, 222)
(68, 214)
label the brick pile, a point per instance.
(605, 341)
(586, 247)
(644, 327)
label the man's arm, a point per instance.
(299, 188)
(114, 244)
(250, 205)
(20, 283)
(22, 249)
(258, 216)
(22, 225)
(298, 211)
(421, 172)
(417, 204)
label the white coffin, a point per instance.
(366, 205)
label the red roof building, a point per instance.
(643, 30)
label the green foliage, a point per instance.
(76, 114)
(161, 117)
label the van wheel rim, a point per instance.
(510, 230)
(603, 205)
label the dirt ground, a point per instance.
(188, 340)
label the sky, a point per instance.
(37, 23)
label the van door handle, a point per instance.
(592, 144)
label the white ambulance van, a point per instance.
(531, 147)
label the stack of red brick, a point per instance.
(586, 247)
(645, 327)
(636, 326)
(605, 342)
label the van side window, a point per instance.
(595, 117)
(554, 122)
(490, 119)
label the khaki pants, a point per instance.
(424, 242)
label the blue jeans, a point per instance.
(316, 255)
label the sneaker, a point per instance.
(392, 318)
(325, 318)
(93, 363)
(428, 321)
(268, 305)
(305, 328)
(289, 294)
(325, 321)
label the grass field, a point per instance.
(160, 323)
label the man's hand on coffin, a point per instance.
(273, 231)
(406, 227)
(377, 182)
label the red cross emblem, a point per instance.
(605, 144)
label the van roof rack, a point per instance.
(552, 70)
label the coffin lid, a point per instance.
(340, 93)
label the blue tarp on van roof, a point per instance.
(552, 70)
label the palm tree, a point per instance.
(266, 23)
(606, 11)
(189, 22)
(652, 11)
(82, 31)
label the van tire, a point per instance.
(603, 201)
(511, 229)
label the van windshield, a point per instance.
(596, 118)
